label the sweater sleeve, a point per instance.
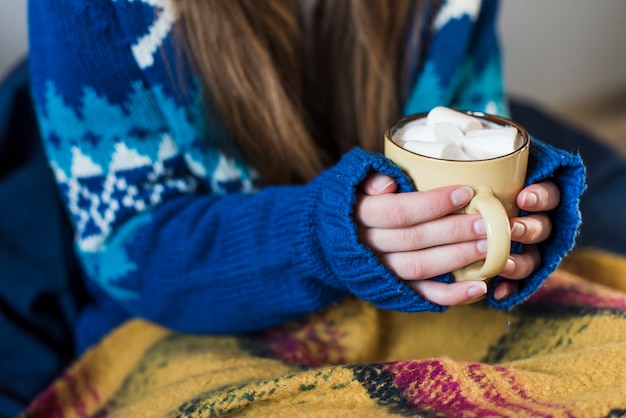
(152, 232)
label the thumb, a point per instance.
(376, 184)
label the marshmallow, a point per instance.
(418, 132)
(451, 135)
(495, 141)
(448, 132)
(443, 150)
(444, 114)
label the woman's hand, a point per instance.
(537, 199)
(411, 235)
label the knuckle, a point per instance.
(525, 264)
(436, 208)
(458, 231)
(526, 267)
(533, 234)
(535, 228)
(540, 228)
(412, 236)
(548, 195)
(397, 215)
(411, 268)
(418, 270)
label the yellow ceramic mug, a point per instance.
(496, 183)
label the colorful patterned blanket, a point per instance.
(561, 354)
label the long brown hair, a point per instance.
(298, 83)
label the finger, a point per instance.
(398, 210)
(431, 262)
(520, 266)
(446, 230)
(505, 289)
(539, 197)
(449, 294)
(376, 183)
(531, 229)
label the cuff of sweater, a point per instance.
(353, 266)
(568, 172)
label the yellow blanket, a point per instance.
(561, 354)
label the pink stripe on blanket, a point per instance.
(456, 388)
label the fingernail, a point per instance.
(530, 200)
(500, 293)
(461, 196)
(481, 245)
(509, 266)
(477, 290)
(380, 182)
(479, 227)
(518, 230)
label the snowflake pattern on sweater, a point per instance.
(129, 156)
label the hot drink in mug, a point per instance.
(485, 152)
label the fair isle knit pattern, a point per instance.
(172, 229)
(124, 158)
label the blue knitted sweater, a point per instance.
(171, 229)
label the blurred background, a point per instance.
(568, 56)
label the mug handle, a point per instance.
(498, 236)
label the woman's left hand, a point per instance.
(537, 199)
(532, 229)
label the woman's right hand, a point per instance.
(412, 236)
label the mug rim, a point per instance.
(499, 120)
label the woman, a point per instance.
(218, 158)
